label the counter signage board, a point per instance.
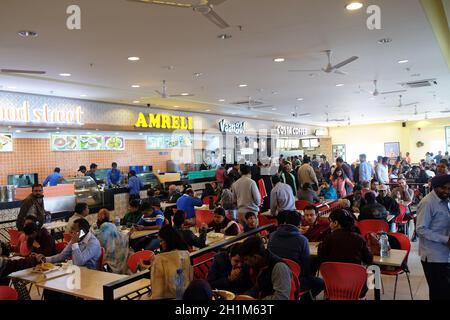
(164, 121)
(236, 127)
(40, 114)
(6, 142)
(87, 143)
(291, 131)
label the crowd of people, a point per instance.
(260, 266)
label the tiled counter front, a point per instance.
(121, 201)
(7, 215)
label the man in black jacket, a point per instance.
(388, 202)
(188, 236)
(228, 273)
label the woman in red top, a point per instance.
(220, 175)
(340, 180)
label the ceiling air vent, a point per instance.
(419, 84)
(252, 103)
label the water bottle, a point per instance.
(384, 245)
(179, 284)
(117, 221)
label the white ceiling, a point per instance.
(297, 30)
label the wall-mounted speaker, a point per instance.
(404, 124)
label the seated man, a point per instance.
(187, 203)
(81, 212)
(313, 227)
(84, 248)
(188, 236)
(39, 240)
(252, 223)
(228, 273)
(273, 280)
(389, 203)
(306, 193)
(151, 219)
(221, 224)
(288, 243)
(134, 214)
(152, 199)
(174, 195)
(372, 210)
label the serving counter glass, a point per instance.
(86, 190)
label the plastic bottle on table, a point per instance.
(384, 245)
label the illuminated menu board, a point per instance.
(87, 143)
(168, 141)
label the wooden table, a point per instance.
(165, 205)
(139, 234)
(394, 260)
(92, 282)
(29, 276)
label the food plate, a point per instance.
(45, 267)
(223, 295)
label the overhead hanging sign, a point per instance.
(292, 131)
(236, 127)
(164, 121)
(41, 114)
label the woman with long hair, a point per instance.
(340, 181)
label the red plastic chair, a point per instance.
(202, 264)
(367, 226)
(14, 235)
(264, 221)
(295, 282)
(399, 220)
(205, 200)
(136, 258)
(101, 261)
(405, 244)
(8, 293)
(203, 216)
(67, 237)
(343, 281)
(301, 204)
(60, 246)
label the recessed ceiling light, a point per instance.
(274, 109)
(134, 58)
(221, 100)
(27, 33)
(9, 127)
(18, 131)
(135, 86)
(224, 36)
(300, 99)
(89, 133)
(57, 128)
(340, 85)
(176, 106)
(65, 74)
(83, 95)
(141, 134)
(233, 113)
(355, 5)
(279, 60)
(116, 133)
(198, 74)
(385, 41)
(185, 94)
(136, 101)
(57, 132)
(403, 61)
(12, 87)
(243, 85)
(208, 110)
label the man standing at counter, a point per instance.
(53, 179)
(91, 172)
(135, 185)
(113, 176)
(33, 205)
(81, 171)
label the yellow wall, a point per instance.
(370, 139)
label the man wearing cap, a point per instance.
(81, 171)
(433, 229)
(389, 203)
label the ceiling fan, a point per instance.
(405, 105)
(329, 68)
(295, 114)
(204, 7)
(376, 93)
(15, 71)
(165, 95)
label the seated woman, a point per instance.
(222, 224)
(134, 214)
(306, 193)
(343, 244)
(173, 257)
(114, 243)
(188, 236)
(327, 191)
(39, 240)
(209, 191)
(229, 273)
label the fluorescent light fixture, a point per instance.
(279, 60)
(300, 99)
(208, 110)
(221, 100)
(185, 94)
(136, 101)
(243, 85)
(134, 58)
(18, 131)
(274, 109)
(340, 85)
(65, 74)
(135, 86)
(83, 95)
(403, 61)
(355, 5)
(27, 33)
(12, 87)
